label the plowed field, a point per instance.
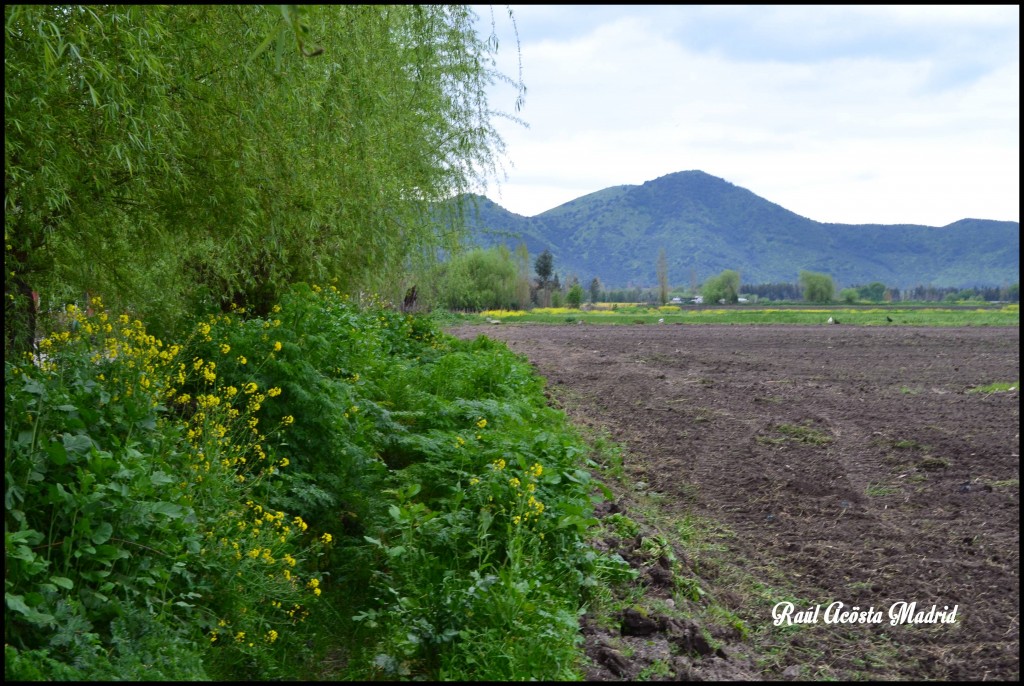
(852, 460)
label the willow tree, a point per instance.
(174, 155)
(724, 287)
(817, 288)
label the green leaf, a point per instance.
(109, 553)
(21, 552)
(17, 604)
(29, 536)
(169, 510)
(102, 533)
(78, 444)
(63, 582)
(160, 479)
(58, 453)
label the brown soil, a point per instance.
(849, 464)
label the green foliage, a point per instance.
(874, 291)
(725, 286)
(574, 298)
(477, 280)
(817, 288)
(185, 155)
(545, 267)
(430, 493)
(134, 530)
(522, 257)
(662, 272)
(997, 387)
(1007, 315)
(849, 295)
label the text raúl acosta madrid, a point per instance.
(785, 613)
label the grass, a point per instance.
(880, 490)
(796, 433)
(997, 387)
(933, 315)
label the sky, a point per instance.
(842, 114)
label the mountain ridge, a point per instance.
(707, 224)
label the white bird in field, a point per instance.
(661, 321)
(830, 320)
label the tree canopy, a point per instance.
(725, 286)
(178, 156)
(476, 280)
(817, 288)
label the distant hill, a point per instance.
(706, 225)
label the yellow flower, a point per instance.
(271, 636)
(240, 636)
(242, 360)
(275, 309)
(513, 482)
(536, 469)
(313, 583)
(225, 349)
(277, 346)
(250, 388)
(274, 392)
(284, 462)
(288, 420)
(482, 423)
(326, 538)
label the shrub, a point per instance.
(133, 510)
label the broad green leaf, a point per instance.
(77, 443)
(17, 604)
(102, 533)
(63, 582)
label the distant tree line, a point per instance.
(773, 291)
(494, 278)
(877, 292)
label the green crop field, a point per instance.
(1003, 315)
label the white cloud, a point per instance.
(842, 114)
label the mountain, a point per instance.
(706, 225)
